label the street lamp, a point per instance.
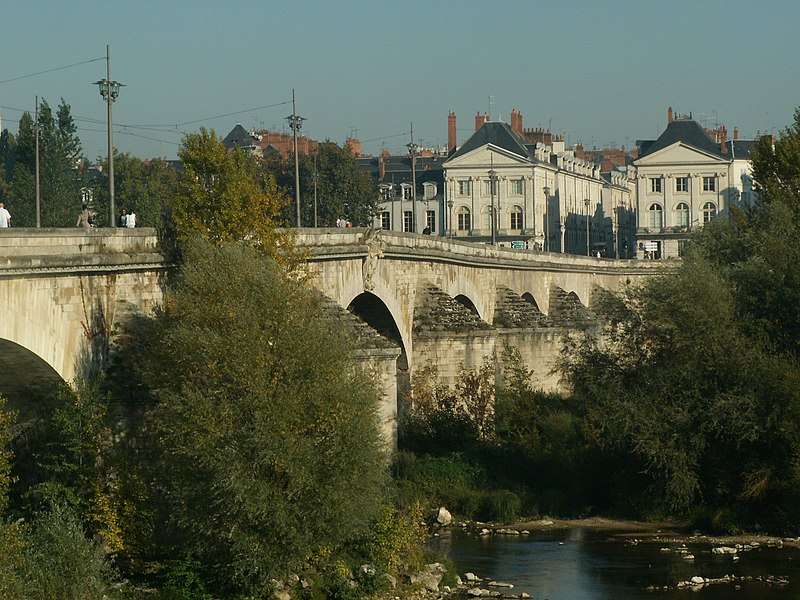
(109, 90)
(492, 178)
(316, 179)
(546, 219)
(450, 206)
(412, 148)
(295, 123)
(587, 202)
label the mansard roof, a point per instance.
(497, 134)
(683, 130)
(740, 149)
(238, 137)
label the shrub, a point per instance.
(502, 505)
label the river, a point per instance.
(583, 564)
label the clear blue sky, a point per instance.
(601, 72)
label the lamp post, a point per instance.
(492, 178)
(109, 90)
(412, 148)
(450, 206)
(295, 123)
(316, 178)
(546, 219)
(587, 202)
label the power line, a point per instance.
(85, 62)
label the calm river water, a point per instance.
(579, 564)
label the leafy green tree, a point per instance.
(61, 169)
(223, 197)
(343, 191)
(272, 450)
(679, 384)
(146, 187)
(776, 166)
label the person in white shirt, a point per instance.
(5, 216)
(130, 222)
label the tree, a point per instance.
(61, 171)
(223, 197)
(343, 191)
(146, 187)
(271, 441)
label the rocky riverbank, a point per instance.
(672, 536)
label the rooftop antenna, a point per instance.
(491, 101)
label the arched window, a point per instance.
(656, 216)
(515, 215)
(486, 217)
(682, 215)
(464, 221)
(709, 211)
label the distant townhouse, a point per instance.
(685, 178)
(500, 188)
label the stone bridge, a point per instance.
(62, 291)
(433, 301)
(453, 304)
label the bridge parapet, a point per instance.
(40, 251)
(333, 243)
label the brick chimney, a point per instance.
(669, 115)
(516, 121)
(735, 133)
(480, 119)
(381, 168)
(451, 131)
(355, 145)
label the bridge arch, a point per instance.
(468, 295)
(27, 381)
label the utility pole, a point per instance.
(38, 197)
(412, 147)
(296, 122)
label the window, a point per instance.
(406, 191)
(682, 215)
(656, 216)
(408, 221)
(516, 217)
(709, 211)
(488, 188)
(386, 191)
(655, 185)
(709, 184)
(464, 222)
(516, 187)
(681, 184)
(465, 188)
(486, 217)
(428, 190)
(430, 220)
(386, 220)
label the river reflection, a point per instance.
(580, 564)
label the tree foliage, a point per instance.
(272, 445)
(343, 191)
(222, 196)
(61, 169)
(146, 187)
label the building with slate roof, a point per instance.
(541, 195)
(685, 178)
(394, 177)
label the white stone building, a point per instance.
(684, 179)
(542, 196)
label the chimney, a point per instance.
(516, 121)
(735, 133)
(480, 119)
(381, 168)
(451, 131)
(669, 115)
(355, 146)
